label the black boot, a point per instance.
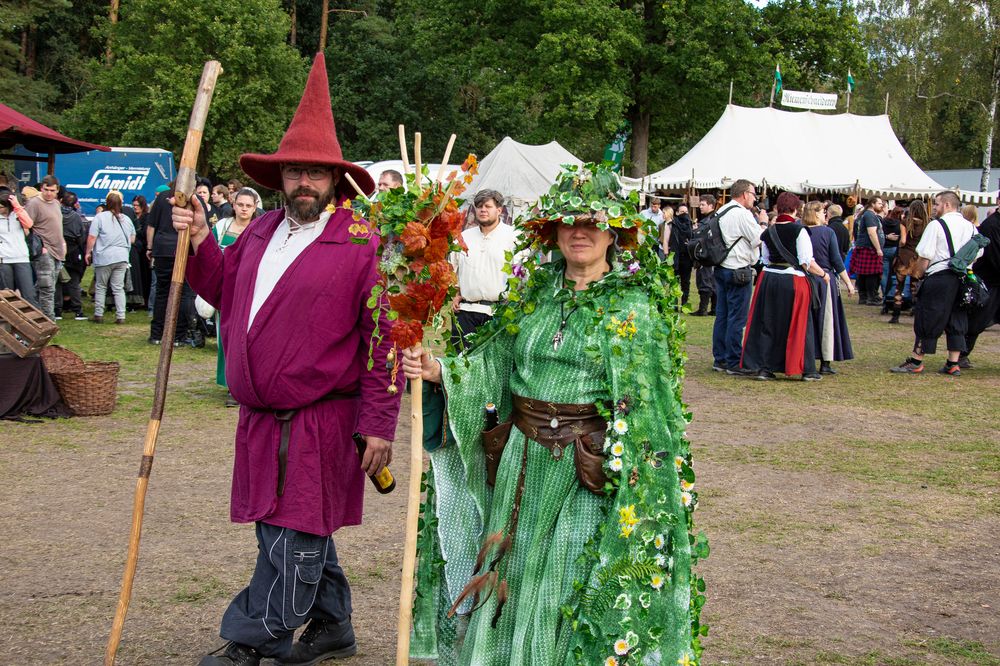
(233, 654)
(896, 310)
(711, 310)
(321, 640)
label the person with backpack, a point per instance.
(739, 233)
(111, 237)
(939, 309)
(705, 274)
(681, 229)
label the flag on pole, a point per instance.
(777, 78)
(850, 82)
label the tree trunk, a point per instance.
(639, 150)
(324, 19)
(295, 21)
(31, 54)
(109, 56)
(984, 181)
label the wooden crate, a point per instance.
(26, 329)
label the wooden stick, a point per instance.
(402, 150)
(412, 516)
(418, 163)
(182, 195)
(355, 185)
(444, 160)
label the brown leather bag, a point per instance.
(494, 441)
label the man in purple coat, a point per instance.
(292, 294)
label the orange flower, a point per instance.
(415, 238)
(470, 165)
(406, 334)
(436, 251)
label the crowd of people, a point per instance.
(778, 291)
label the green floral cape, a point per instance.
(592, 579)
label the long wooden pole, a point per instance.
(182, 194)
(413, 493)
(412, 516)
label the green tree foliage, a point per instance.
(160, 46)
(939, 61)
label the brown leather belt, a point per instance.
(284, 417)
(556, 425)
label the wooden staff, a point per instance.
(444, 160)
(182, 194)
(416, 470)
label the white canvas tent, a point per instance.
(803, 152)
(520, 172)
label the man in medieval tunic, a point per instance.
(292, 294)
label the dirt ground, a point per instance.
(845, 528)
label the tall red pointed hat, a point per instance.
(311, 138)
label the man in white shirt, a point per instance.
(655, 214)
(741, 231)
(481, 279)
(937, 310)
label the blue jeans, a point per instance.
(730, 318)
(888, 275)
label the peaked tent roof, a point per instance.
(17, 128)
(803, 152)
(519, 171)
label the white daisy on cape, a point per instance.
(621, 647)
(617, 449)
(615, 464)
(687, 498)
(686, 485)
(678, 462)
(611, 661)
(656, 581)
(620, 426)
(658, 541)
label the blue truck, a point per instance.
(131, 171)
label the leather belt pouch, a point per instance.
(494, 441)
(589, 461)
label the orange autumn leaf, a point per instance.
(442, 274)
(448, 223)
(436, 251)
(415, 238)
(406, 334)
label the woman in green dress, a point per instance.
(564, 534)
(226, 231)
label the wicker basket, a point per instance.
(89, 388)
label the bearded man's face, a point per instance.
(308, 189)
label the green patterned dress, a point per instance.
(592, 579)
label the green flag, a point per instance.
(615, 151)
(850, 82)
(777, 78)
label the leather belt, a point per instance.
(284, 417)
(555, 425)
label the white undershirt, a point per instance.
(281, 251)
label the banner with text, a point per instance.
(809, 100)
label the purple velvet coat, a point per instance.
(309, 338)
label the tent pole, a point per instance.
(887, 104)
(730, 91)
(52, 164)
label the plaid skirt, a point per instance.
(865, 261)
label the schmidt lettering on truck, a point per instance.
(131, 171)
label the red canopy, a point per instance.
(17, 128)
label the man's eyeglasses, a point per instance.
(314, 173)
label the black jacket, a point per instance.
(161, 220)
(680, 234)
(987, 266)
(843, 235)
(75, 234)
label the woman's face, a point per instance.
(244, 207)
(583, 244)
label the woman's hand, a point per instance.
(418, 364)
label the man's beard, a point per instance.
(309, 210)
(487, 222)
